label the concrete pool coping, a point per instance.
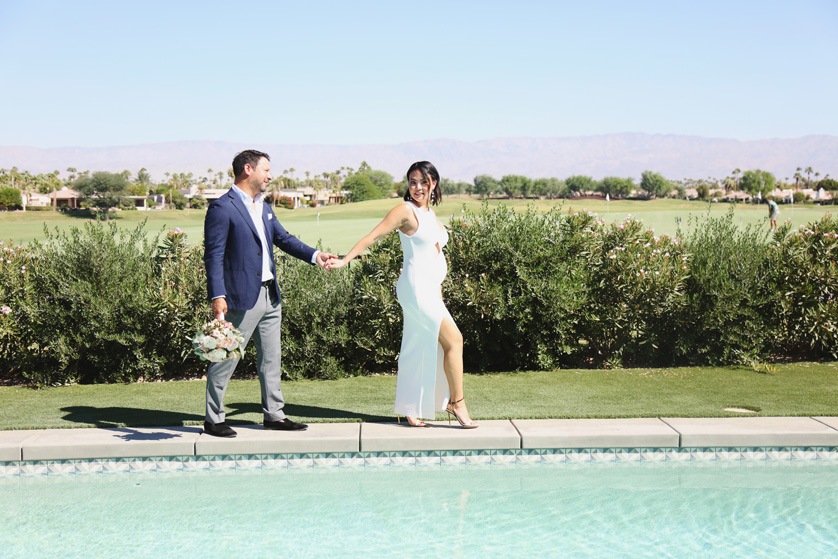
(139, 442)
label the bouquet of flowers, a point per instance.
(217, 341)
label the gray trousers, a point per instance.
(262, 322)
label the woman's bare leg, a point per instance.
(451, 341)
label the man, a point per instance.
(239, 233)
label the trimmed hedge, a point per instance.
(529, 291)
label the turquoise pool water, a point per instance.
(683, 510)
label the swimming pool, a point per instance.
(670, 509)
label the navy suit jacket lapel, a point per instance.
(239, 205)
(267, 223)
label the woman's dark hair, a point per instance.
(247, 157)
(431, 175)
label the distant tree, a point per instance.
(808, 172)
(382, 179)
(449, 186)
(47, 182)
(136, 189)
(10, 197)
(580, 183)
(616, 187)
(549, 188)
(654, 185)
(757, 181)
(831, 186)
(102, 190)
(361, 188)
(703, 191)
(485, 185)
(515, 185)
(179, 201)
(143, 178)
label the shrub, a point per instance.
(87, 309)
(635, 290)
(285, 202)
(723, 319)
(316, 334)
(529, 291)
(514, 288)
(799, 197)
(179, 303)
(15, 267)
(198, 202)
(10, 197)
(803, 286)
(374, 315)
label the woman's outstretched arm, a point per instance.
(398, 218)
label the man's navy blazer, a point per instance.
(233, 251)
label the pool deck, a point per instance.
(138, 442)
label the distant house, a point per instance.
(36, 200)
(66, 198)
(786, 195)
(737, 196)
(302, 196)
(209, 194)
(296, 195)
(152, 202)
(822, 195)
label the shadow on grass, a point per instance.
(137, 417)
(301, 411)
(128, 417)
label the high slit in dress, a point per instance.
(421, 387)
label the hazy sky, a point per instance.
(82, 73)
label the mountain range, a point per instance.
(624, 155)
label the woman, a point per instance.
(432, 345)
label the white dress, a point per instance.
(421, 387)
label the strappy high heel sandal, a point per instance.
(419, 422)
(465, 425)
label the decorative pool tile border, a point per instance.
(414, 459)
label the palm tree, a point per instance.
(808, 173)
(730, 184)
(72, 174)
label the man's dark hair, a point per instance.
(247, 157)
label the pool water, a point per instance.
(720, 509)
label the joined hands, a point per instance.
(324, 257)
(335, 262)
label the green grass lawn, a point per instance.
(797, 389)
(339, 227)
